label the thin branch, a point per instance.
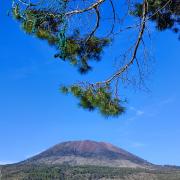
(159, 9)
(148, 18)
(97, 23)
(29, 3)
(79, 11)
(139, 69)
(114, 17)
(116, 88)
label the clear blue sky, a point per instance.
(35, 116)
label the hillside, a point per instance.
(87, 160)
(87, 153)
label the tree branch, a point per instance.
(97, 23)
(142, 28)
(79, 11)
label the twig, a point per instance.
(97, 24)
(79, 11)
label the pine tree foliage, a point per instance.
(40, 23)
(80, 50)
(92, 97)
(49, 20)
(49, 26)
(165, 13)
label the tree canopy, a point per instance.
(81, 30)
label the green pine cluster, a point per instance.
(165, 16)
(80, 50)
(42, 24)
(49, 26)
(96, 97)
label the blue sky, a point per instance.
(35, 116)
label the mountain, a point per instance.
(87, 160)
(87, 153)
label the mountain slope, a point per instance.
(83, 160)
(87, 153)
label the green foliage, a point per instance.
(40, 23)
(80, 50)
(165, 14)
(96, 97)
(16, 12)
(50, 26)
(66, 172)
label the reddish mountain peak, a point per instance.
(89, 146)
(92, 146)
(87, 149)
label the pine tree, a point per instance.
(50, 20)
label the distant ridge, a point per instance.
(88, 152)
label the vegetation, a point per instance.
(96, 97)
(164, 13)
(60, 24)
(65, 172)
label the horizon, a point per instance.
(34, 115)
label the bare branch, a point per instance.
(97, 23)
(114, 17)
(29, 3)
(79, 11)
(123, 69)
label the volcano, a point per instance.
(88, 153)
